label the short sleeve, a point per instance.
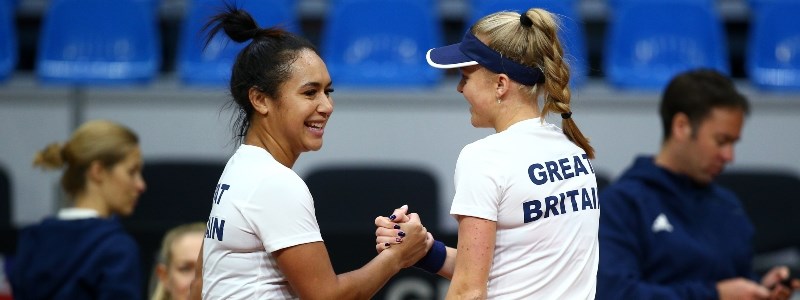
(281, 213)
(476, 182)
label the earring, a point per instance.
(498, 100)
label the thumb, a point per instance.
(400, 214)
(414, 217)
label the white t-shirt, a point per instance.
(260, 206)
(541, 190)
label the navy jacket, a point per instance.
(76, 259)
(664, 237)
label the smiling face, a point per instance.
(710, 146)
(122, 184)
(296, 120)
(479, 90)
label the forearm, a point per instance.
(364, 282)
(449, 264)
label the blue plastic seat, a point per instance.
(571, 33)
(773, 57)
(370, 43)
(8, 40)
(201, 65)
(98, 42)
(649, 42)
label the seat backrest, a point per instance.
(603, 180)
(773, 57)
(211, 65)
(96, 42)
(7, 228)
(5, 199)
(770, 200)
(347, 199)
(647, 47)
(8, 40)
(571, 32)
(383, 43)
(178, 192)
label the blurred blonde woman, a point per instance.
(177, 261)
(83, 252)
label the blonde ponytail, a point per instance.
(50, 157)
(557, 94)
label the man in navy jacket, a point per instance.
(666, 230)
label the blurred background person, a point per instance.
(83, 252)
(667, 230)
(177, 261)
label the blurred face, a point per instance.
(178, 275)
(711, 146)
(477, 87)
(123, 184)
(297, 119)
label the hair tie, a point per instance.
(566, 115)
(525, 20)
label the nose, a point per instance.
(326, 106)
(460, 87)
(727, 153)
(141, 186)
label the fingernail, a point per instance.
(396, 226)
(398, 240)
(387, 245)
(392, 217)
(401, 233)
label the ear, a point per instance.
(259, 100)
(503, 84)
(161, 272)
(681, 127)
(96, 171)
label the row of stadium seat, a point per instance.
(381, 43)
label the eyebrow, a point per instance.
(314, 84)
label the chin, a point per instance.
(314, 146)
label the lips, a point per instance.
(316, 127)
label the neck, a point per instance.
(267, 142)
(92, 201)
(667, 159)
(512, 112)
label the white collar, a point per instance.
(75, 213)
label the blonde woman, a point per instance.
(526, 197)
(83, 252)
(177, 261)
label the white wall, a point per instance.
(399, 127)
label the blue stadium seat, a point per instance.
(211, 66)
(8, 42)
(98, 42)
(370, 43)
(571, 32)
(773, 57)
(646, 46)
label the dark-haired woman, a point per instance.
(262, 239)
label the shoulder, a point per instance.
(117, 238)
(625, 194)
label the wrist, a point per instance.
(433, 260)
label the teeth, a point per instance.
(315, 125)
